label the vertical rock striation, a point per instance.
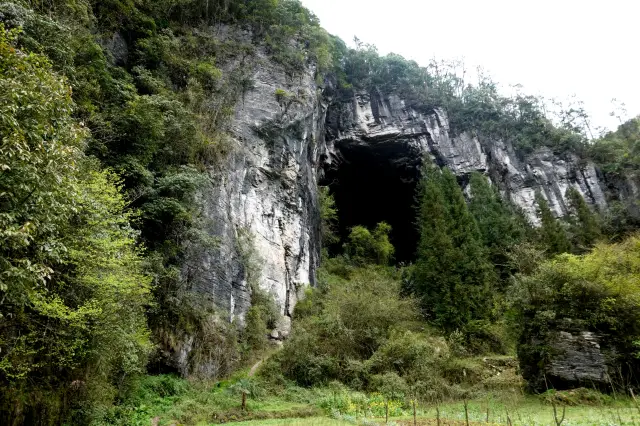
(263, 208)
(408, 135)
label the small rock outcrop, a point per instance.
(577, 359)
(567, 356)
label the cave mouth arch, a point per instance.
(372, 183)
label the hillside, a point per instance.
(187, 184)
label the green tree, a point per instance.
(365, 246)
(452, 275)
(73, 329)
(584, 226)
(328, 216)
(500, 226)
(551, 234)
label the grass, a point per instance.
(169, 400)
(530, 411)
(312, 421)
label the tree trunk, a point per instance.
(244, 401)
(386, 412)
(415, 422)
(438, 415)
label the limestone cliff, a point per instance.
(289, 133)
(263, 208)
(378, 122)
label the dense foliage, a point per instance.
(618, 155)
(453, 277)
(344, 323)
(364, 246)
(597, 292)
(619, 152)
(146, 81)
(73, 330)
(114, 116)
(501, 226)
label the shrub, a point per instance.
(596, 292)
(364, 246)
(357, 317)
(407, 352)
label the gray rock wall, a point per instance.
(263, 207)
(373, 119)
(577, 359)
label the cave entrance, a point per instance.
(372, 184)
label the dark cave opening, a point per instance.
(372, 184)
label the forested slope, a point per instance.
(117, 119)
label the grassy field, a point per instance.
(312, 421)
(529, 411)
(168, 400)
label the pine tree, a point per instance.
(585, 229)
(551, 233)
(452, 275)
(500, 225)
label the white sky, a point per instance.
(554, 48)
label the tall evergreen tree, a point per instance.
(452, 275)
(584, 226)
(500, 225)
(551, 234)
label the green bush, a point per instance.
(407, 353)
(364, 246)
(594, 292)
(356, 318)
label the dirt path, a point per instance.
(255, 368)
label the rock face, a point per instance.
(263, 209)
(577, 359)
(377, 121)
(566, 357)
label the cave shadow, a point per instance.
(372, 184)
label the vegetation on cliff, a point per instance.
(114, 116)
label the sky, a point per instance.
(556, 49)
